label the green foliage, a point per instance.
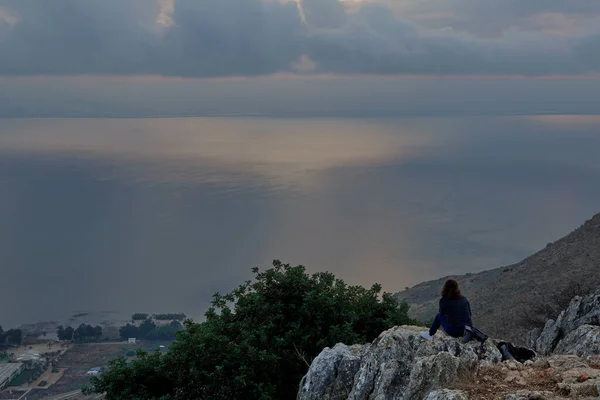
(69, 332)
(86, 333)
(169, 317)
(143, 378)
(149, 331)
(257, 341)
(60, 332)
(128, 331)
(166, 332)
(139, 317)
(11, 337)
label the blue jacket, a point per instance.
(456, 311)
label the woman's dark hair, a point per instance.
(451, 289)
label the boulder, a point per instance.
(583, 341)
(331, 374)
(575, 331)
(399, 365)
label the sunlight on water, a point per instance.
(155, 215)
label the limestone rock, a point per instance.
(398, 365)
(530, 395)
(575, 331)
(583, 341)
(446, 394)
(331, 374)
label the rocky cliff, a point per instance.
(401, 365)
(576, 331)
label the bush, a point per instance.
(539, 312)
(130, 353)
(139, 316)
(257, 341)
(170, 317)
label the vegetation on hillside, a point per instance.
(10, 338)
(139, 317)
(149, 331)
(539, 311)
(84, 333)
(257, 341)
(169, 317)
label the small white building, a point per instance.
(29, 355)
(94, 371)
(131, 340)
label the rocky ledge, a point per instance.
(576, 330)
(401, 365)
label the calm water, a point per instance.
(157, 214)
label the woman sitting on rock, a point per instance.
(454, 315)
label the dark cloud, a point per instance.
(211, 38)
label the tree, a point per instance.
(170, 317)
(60, 333)
(257, 341)
(145, 327)
(86, 333)
(129, 331)
(69, 332)
(13, 337)
(166, 332)
(139, 317)
(97, 332)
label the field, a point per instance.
(80, 358)
(22, 378)
(6, 394)
(76, 362)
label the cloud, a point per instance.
(212, 38)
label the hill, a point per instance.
(507, 301)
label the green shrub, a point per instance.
(257, 341)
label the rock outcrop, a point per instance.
(399, 364)
(576, 330)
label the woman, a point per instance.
(454, 315)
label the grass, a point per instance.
(22, 378)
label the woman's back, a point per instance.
(456, 310)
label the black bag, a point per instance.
(477, 334)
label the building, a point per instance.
(8, 372)
(29, 356)
(94, 371)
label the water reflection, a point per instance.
(157, 214)
(282, 151)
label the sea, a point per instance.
(107, 217)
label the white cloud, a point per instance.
(7, 22)
(165, 15)
(257, 37)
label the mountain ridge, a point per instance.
(502, 297)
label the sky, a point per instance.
(215, 38)
(140, 58)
